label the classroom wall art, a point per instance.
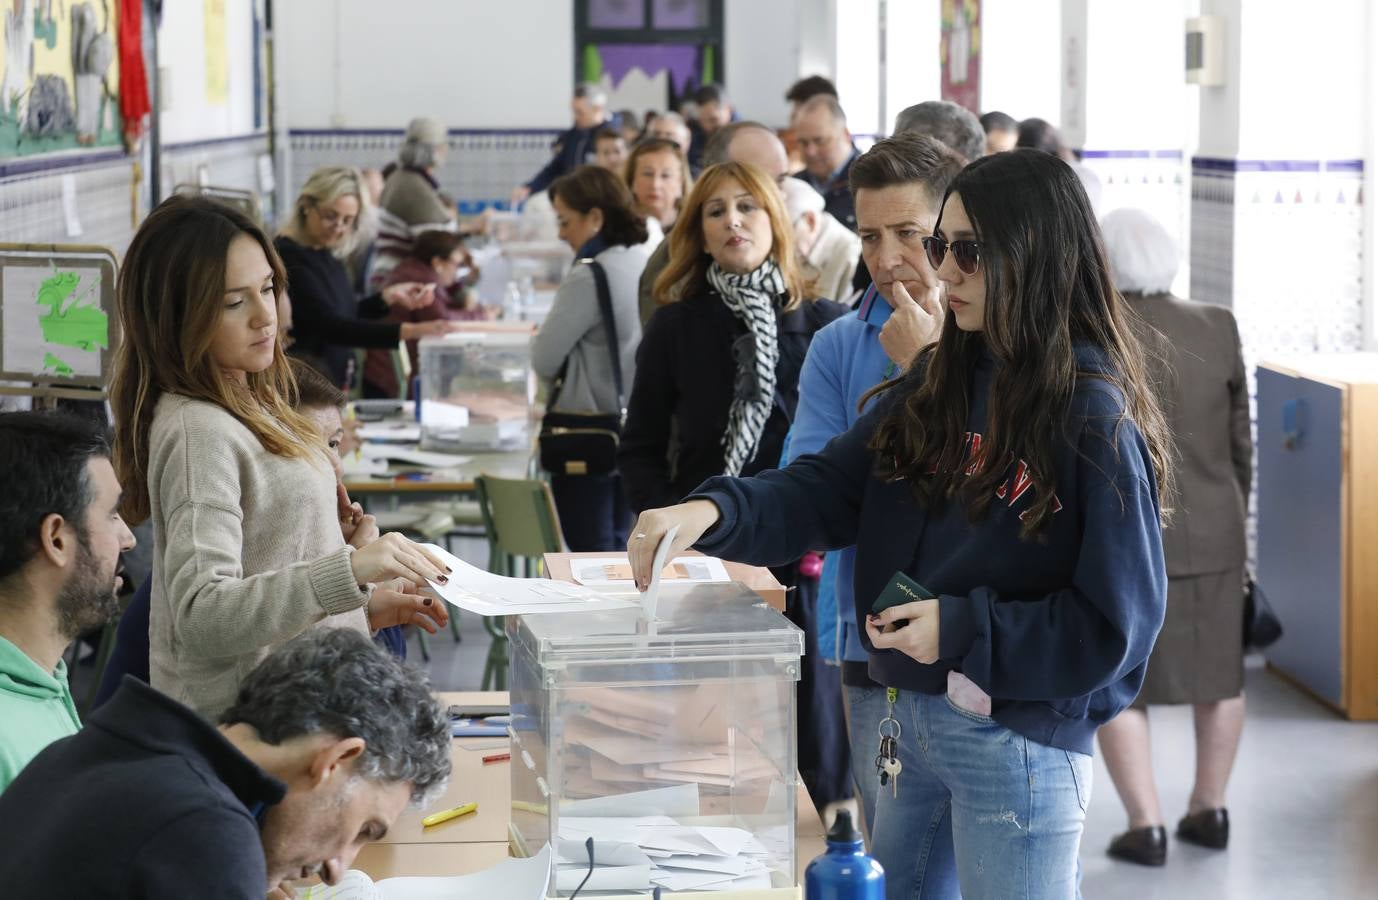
(59, 88)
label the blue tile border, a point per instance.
(398, 132)
(1215, 164)
(58, 162)
(1131, 154)
(183, 146)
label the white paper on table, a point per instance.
(651, 598)
(437, 414)
(411, 456)
(390, 431)
(486, 594)
(358, 464)
(681, 800)
(511, 879)
(603, 878)
(596, 572)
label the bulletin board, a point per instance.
(58, 324)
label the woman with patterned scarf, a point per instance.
(719, 361)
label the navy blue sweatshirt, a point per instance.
(1057, 631)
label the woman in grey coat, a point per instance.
(594, 211)
(1198, 658)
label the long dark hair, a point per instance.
(170, 298)
(1048, 288)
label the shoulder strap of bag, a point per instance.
(600, 278)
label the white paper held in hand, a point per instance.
(487, 594)
(652, 595)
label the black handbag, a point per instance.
(586, 443)
(1261, 625)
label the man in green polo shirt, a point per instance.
(61, 536)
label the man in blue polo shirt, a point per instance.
(898, 186)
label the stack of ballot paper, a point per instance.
(641, 853)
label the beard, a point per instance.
(87, 601)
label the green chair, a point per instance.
(519, 516)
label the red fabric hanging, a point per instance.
(134, 105)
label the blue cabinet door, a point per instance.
(1300, 533)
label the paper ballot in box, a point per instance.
(671, 742)
(477, 389)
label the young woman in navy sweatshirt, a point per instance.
(1015, 473)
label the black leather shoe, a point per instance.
(1145, 846)
(1209, 828)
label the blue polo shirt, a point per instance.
(844, 361)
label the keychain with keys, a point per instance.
(888, 765)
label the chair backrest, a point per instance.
(519, 514)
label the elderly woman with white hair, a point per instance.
(828, 250)
(411, 192)
(1198, 658)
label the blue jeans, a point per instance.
(865, 707)
(983, 813)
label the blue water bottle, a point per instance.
(845, 872)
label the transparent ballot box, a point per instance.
(477, 390)
(671, 743)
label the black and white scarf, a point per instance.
(751, 298)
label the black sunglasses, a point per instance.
(967, 254)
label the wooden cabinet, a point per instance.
(1318, 523)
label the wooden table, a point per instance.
(475, 842)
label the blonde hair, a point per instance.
(326, 185)
(646, 147)
(170, 298)
(687, 273)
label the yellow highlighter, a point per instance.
(448, 814)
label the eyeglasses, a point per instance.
(331, 218)
(967, 254)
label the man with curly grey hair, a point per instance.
(326, 743)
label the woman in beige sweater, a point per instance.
(248, 549)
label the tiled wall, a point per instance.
(480, 171)
(1281, 243)
(107, 201)
(227, 163)
(111, 189)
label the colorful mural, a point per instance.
(59, 89)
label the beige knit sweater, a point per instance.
(247, 553)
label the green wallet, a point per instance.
(901, 589)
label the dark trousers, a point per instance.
(823, 746)
(594, 515)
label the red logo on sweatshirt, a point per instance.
(1015, 487)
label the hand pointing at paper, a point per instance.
(693, 518)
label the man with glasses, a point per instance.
(898, 187)
(820, 127)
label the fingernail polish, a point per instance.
(426, 601)
(443, 580)
(448, 569)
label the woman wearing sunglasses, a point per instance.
(1003, 496)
